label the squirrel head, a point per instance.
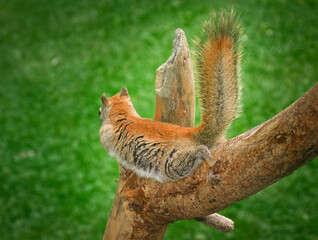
(116, 106)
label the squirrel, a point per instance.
(166, 152)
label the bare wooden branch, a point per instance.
(126, 219)
(244, 165)
(218, 222)
(175, 92)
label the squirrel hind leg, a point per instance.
(204, 154)
(183, 163)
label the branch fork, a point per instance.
(244, 165)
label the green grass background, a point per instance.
(57, 57)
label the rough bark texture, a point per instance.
(244, 165)
(175, 92)
(126, 220)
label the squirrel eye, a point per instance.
(100, 112)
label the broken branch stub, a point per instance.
(175, 91)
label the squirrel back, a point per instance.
(218, 76)
(151, 149)
(166, 152)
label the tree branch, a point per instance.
(175, 92)
(218, 222)
(244, 165)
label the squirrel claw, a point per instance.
(214, 179)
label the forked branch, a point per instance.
(244, 165)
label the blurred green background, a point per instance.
(56, 59)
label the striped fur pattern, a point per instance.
(218, 75)
(150, 149)
(166, 152)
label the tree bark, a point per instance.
(244, 165)
(175, 91)
(218, 222)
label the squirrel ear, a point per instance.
(104, 99)
(123, 92)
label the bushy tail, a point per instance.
(218, 75)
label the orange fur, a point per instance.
(153, 149)
(218, 59)
(167, 152)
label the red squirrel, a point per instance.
(166, 152)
